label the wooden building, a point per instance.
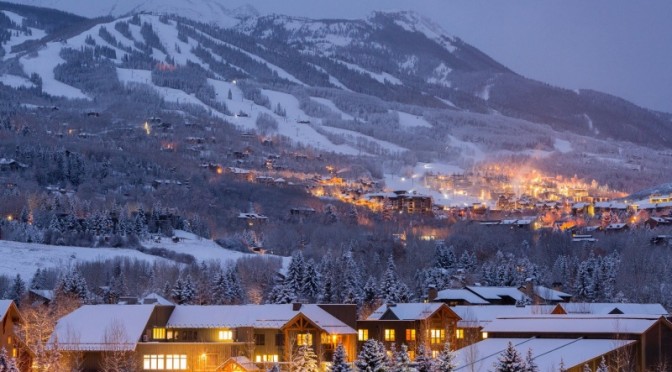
(205, 338)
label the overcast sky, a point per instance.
(620, 47)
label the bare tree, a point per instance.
(118, 353)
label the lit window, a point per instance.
(459, 333)
(411, 354)
(410, 335)
(362, 334)
(266, 358)
(15, 352)
(485, 335)
(437, 336)
(226, 335)
(435, 354)
(304, 339)
(159, 333)
(327, 339)
(155, 362)
(389, 335)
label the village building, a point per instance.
(205, 338)
(10, 318)
(411, 324)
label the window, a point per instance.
(435, 354)
(389, 335)
(259, 339)
(304, 339)
(411, 354)
(327, 339)
(159, 333)
(484, 334)
(266, 358)
(362, 334)
(437, 336)
(226, 335)
(459, 333)
(410, 334)
(155, 362)
(15, 352)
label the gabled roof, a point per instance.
(479, 316)
(242, 361)
(613, 308)
(102, 327)
(460, 294)
(407, 311)
(155, 298)
(273, 316)
(5, 308)
(550, 294)
(496, 293)
(573, 324)
(547, 353)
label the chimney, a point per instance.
(432, 293)
(529, 287)
(296, 306)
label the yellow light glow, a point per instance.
(148, 128)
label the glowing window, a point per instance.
(435, 354)
(362, 334)
(159, 333)
(389, 335)
(226, 335)
(266, 358)
(459, 333)
(437, 336)
(485, 335)
(410, 335)
(155, 362)
(411, 354)
(304, 339)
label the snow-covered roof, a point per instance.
(611, 205)
(460, 294)
(273, 316)
(550, 294)
(44, 293)
(479, 316)
(546, 353)
(244, 362)
(615, 226)
(573, 324)
(496, 293)
(408, 311)
(155, 298)
(102, 327)
(4, 307)
(613, 308)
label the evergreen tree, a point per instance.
(229, 95)
(296, 272)
(603, 367)
(274, 368)
(235, 294)
(339, 361)
(38, 280)
(586, 368)
(282, 293)
(445, 361)
(390, 285)
(370, 291)
(510, 361)
(402, 362)
(372, 357)
(18, 290)
(305, 360)
(7, 364)
(189, 291)
(220, 288)
(444, 257)
(330, 215)
(311, 282)
(423, 359)
(530, 365)
(73, 284)
(351, 280)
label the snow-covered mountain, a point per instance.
(389, 84)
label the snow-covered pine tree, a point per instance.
(445, 361)
(339, 362)
(370, 291)
(7, 364)
(530, 365)
(235, 294)
(602, 367)
(423, 359)
(220, 287)
(510, 360)
(402, 362)
(351, 280)
(274, 368)
(296, 272)
(18, 290)
(73, 284)
(311, 282)
(586, 368)
(305, 360)
(188, 291)
(444, 257)
(372, 357)
(390, 284)
(282, 293)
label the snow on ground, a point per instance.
(468, 149)
(14, 17)
(589, 122)
(485, 93)
(168, 35)
(26, 258)
(21, 37)
(287, 126)
(408, 121)
(447, 102)
(383, 77)
(43, 64)
(323, 101)
(169, 94)
(332, 79)
(562, 146)
(355, 137)
(16, 81)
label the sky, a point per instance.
(620, 47)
